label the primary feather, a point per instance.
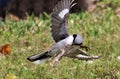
(59, 20)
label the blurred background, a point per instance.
(20, 8)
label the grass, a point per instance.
(100, 30)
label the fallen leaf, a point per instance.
(5, 49)
(10, 76)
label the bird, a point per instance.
(59, 33)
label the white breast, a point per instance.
(63, 43)
(69, 40)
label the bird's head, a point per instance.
(77, 39)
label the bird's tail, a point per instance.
(39, 58)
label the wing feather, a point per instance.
(59, 20)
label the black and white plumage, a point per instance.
(59, 31)
(59, 20)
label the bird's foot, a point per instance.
(54, 63)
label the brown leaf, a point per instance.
(5, 49)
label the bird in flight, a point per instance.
(59, 32)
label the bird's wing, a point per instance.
(59, 19)
(77, 53)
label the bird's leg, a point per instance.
(58, 57)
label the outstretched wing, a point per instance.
(59, 19)
(77, 53)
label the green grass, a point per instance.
(100, 30)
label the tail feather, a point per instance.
(40, 61)
(41, 56)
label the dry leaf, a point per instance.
(10, 76)
(5, 49)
